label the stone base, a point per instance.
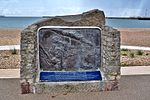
(73, 87)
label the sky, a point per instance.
(112, 8)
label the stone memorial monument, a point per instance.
(74, 53)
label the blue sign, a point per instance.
(70, 76)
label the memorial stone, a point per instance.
(74, 53)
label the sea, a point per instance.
(22, 22)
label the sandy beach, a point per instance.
(9, 36)
(135, 36)
(129, 36)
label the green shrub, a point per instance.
(139, 52)
(146, 54)
(132, 55)
(124, 49)
(124, 54)
(14, 51)
(124, 64)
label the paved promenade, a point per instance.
(131, 88)
(134, 85)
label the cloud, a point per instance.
(8, 1)
(61, 7)
(123, 12)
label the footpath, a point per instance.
(9, 47)
(131, 70)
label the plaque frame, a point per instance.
(65, 82)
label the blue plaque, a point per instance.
(70, 76)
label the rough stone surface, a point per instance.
(110, 55)
(69, 49)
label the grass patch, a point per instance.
(139, 52)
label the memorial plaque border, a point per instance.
(61, 27)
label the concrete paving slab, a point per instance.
(9, 73)
(135, 70)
